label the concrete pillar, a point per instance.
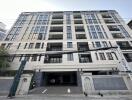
(24, 84)
(38, 78)
(79, 81)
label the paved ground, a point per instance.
(54, 90)
(67, 97)
(5, 85)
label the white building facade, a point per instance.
(2, 30)
(66, 48)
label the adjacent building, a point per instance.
(2, 31)
(130, 24)
(91, 50)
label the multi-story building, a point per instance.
(2, 31)
(91, 50)
(130, 24)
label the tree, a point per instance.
(4, 59)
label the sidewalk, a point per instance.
(68, 97)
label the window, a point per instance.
(128, 57)
(115, 18)
(106, 15)
(8, 45)
(69, 32)
(92, 28)
(82, 46)
(126, 34)
(3, 45)
(20, 57)
(92, 32)
(94, 18)
(96, 56)
(85, 58)
(77, 16)
(79, 29)
(56, 22)
(42, 30)
(97, 28)
(117, 35)
(124, 44)
(36, 30)
(91, 19)
(37, 45)
(55, 36)
(34, 57)
(42, 46)
(56, 29)
(102, 56)
(57, 16)
(54, 58)
(109, 21)
(40, 36)
(109, 55)
(18, 45)
(101, 36)
(104, 44)
(27, 57)
(98, 45)
(88, 19)
(13, 33)
(69, 44)
(69, 36)
(113, 28)
(78, 22)
(70, 57)
(80, 36)
(25, 46)
(30, 46)
(54, 47)
(39, 57)
(68, 19)
(68, 29)
(11, 58)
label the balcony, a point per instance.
(79, 29)
(124, 45)
(54, 47)
(117, 35)
(109, 21)
(80, 36)
(106, 16)
(55, 36)
(85, 58)
(113, 28)
(56, 22)
(128, 57)
(56, 29)
(78, 22)
(54, 58)
(57, 16)
(82, 46)
(77, 16)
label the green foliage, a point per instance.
(4, 56)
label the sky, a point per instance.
(10, 9)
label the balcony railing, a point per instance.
(125, 48)
(53, 58)
(85, 58)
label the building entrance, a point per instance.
(59, 78)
